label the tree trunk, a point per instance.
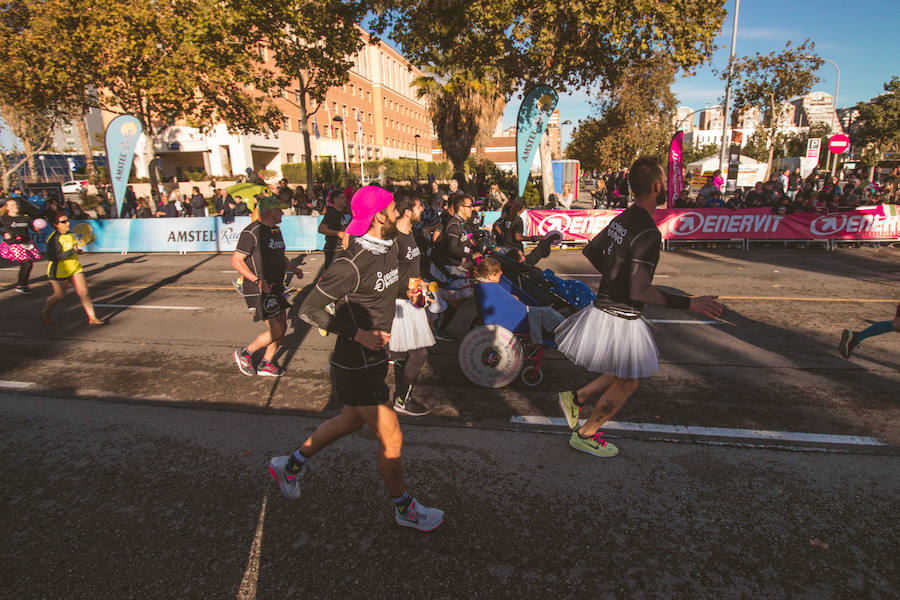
(546, 168)
(29, 155)
(304, 131)
(86, 144)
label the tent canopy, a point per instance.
(711, 163)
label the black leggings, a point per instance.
(407, 366)
(24, 273)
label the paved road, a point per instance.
(771, 364)
(108, 500)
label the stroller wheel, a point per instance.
(532, 376)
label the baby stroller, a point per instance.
(501, 348)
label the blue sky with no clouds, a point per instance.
(862, 37)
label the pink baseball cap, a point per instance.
(366, 203)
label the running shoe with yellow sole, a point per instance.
(570, 410)
(595, 445)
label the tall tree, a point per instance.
(163, 62)
(30, 95)
(573, 44)
(878, 126)
(768, 82)
(462, 108)
(313, 44)
(634, 119)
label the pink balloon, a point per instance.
(39, 224)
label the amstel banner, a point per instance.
(725, 224)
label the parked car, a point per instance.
(75, 187)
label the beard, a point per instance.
(662, 198)
(389, 230)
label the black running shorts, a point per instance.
(362, 387)
(266, 306)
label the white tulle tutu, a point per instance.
(603, 343)
(410, 329)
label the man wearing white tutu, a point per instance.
(610, 337)
(410, 330)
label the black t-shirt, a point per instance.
(17, 227)
(334, 219)
(410, 261)
(631, 237)
(508, 230)
(362, 283)
(265, 247)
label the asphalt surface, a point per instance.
(134, 460)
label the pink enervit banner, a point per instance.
(675, 171)
(726, 224)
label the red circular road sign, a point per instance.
(838, 143)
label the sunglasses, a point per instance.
(63, 221)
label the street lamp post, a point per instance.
(340, 123)
(726, 117)
(43, 166)
(416, 143)
(837, 88)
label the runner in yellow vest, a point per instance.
(65, 269)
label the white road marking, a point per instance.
(156, 306)
(247, 589)
(16, 385)
(682, 322)
(725, 432)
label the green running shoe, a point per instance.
(595, 445)
(570, 410)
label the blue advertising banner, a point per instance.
(201, 234)
(534, 114)
(122, 135)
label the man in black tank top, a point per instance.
(362, 284)
(610, 337)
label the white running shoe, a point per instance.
(420, 517)
(288, 482)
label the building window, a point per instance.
(297, 97)
(344, 111)
(352, 90)
(261, 51)
(290, 157)
(286, 121)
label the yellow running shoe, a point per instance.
(570, 410)
(595, 445)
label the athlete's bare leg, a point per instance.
(81, 288)
(382, 420)
(608, 405)
(595, 388)
(275, 329)
(349, 421)
(59, 291)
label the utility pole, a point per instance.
(723, 152)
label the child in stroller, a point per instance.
(513, 331)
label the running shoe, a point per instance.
(269, 369)
(244, 361)
(409, 406)
(419, 517)
(849, 341)
(21, 289)
(238, 285)
(445, 336)
(595, 445)
(288, 482)
(570, 410)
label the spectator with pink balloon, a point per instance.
(17, 245)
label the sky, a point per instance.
(861, 37)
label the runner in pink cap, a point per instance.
(366, 203)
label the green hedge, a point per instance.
(398, 169)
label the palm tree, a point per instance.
(464, 110)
